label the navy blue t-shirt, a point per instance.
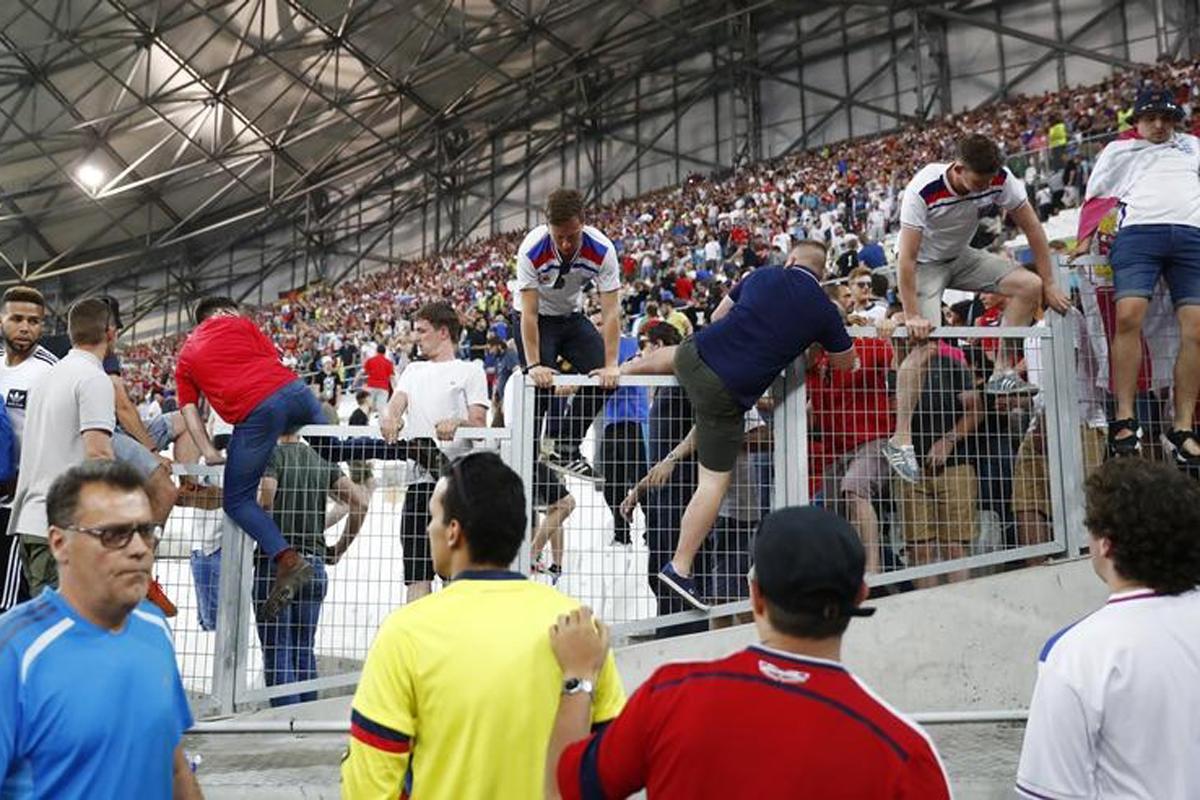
(777, 313)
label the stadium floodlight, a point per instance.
(90, 176)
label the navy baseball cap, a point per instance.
(1154, 99)
(807, 559)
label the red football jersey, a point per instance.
(757, 724)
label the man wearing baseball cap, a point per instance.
(1155, 177)
(781, 718)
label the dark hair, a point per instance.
(211, 305)
(441, 315)
(1150, 512)
(564, 205)
(488, 500)
(805, 624)
(979, 154)
(361, 395)
(23, 294)
(380, 349)
(663, 333)
(88, 321)
(62, 500)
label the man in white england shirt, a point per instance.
(939, 213)
(434, 398)
(1113, 715)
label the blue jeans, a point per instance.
(1141, 253)
(287, 641)
(206, 574)
(250, 448)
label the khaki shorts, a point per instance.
(38, 564)
(942, 507)
(720, 420)
(973, 271)
(1031, 488)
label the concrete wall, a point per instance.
(968, 646)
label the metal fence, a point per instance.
(1006, 493)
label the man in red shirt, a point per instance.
(379, 369)
(236, 367)
(851, 417)
(782, 718)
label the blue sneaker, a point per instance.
(684, 587)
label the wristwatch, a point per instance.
(528, 367)
(578, 686)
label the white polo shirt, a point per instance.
(947, 221)
(1116, 710)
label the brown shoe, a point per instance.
(292, 571)
(158, 597)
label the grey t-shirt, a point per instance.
(540, 265)
(73, 397)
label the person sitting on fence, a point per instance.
(554, 262)
(294, 489)
(939, 216)
(768, 320)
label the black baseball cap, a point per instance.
(807, 559)
(1156, 99)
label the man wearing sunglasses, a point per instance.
(554, 264)
(91, 702)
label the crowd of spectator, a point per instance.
(681, 248)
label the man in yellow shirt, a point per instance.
(459, 692)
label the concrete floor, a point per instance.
(981, 759)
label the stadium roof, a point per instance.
(138, 136)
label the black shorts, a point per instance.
(414, 536)
(548, 486)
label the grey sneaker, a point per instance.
(1009, 384)
(903, 461)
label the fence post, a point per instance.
(790, 434)
(1067, 497)
(521, 451)
(229, 621)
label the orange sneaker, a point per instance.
(158, 597)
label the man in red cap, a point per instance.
(781, 718)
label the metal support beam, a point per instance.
(1007, 85)
(1056, 46)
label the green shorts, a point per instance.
(720, 420)
(38, 564)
